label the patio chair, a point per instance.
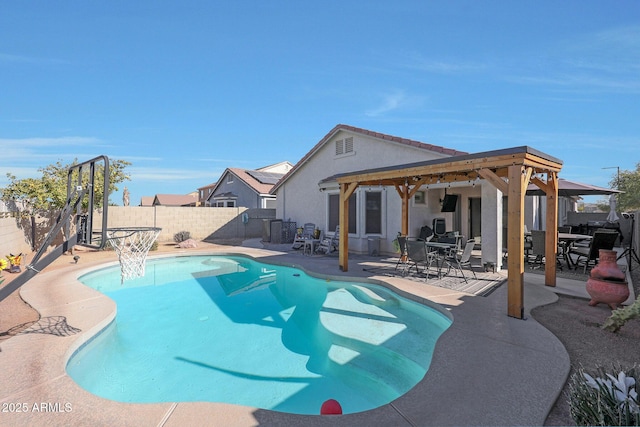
(457, 261)
(418, 255)
(439, 227)
(307, 233)
(426, 233)
(402, 243)
(538, 249)
(601, 240)
(564, 229)
(329, 244)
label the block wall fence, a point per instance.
(209, 224)
(201, 223)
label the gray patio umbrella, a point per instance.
(613, 216)
(568, 188)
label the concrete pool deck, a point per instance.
(487, 368)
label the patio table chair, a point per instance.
(307, 233)
(459, 261)
(418, 255)
(329, 244)
(601, 240)
(402, 243)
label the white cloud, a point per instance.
(391, 102)
(151, 174)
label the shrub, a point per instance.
(605, 398)
(181, 236)
(620, 316)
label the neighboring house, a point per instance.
(204, 193)
(147, 200)
(175, 199)
(309, 194)
(248, 188)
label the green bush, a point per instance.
(181, 236)
(607, 397)
(620, 316)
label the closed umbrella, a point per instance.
(613, 216)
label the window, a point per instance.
(373, 212)
(334, 212)
(229, 178)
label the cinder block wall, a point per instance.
(201, 223)
(13, 240)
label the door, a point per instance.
(475, 217)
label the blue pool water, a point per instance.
(230, 329)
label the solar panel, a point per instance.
(266, 177)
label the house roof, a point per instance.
(147, 200)
(259, 181)
(353, 129)
(175, 199)
(213, 184)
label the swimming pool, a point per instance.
(231, 329)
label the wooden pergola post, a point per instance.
(346, 190)
(518, 179)
(551, 235)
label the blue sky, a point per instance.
(184, 89)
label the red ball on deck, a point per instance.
(331, 407)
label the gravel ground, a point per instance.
(577, 325)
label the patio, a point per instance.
(487, 369)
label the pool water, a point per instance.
(230, 329)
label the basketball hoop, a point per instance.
(132, 245)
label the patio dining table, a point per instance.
(567, 240)
(440, 250)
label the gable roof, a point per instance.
(365, 132)
(147, 200)
(259, 181)
(175, 200)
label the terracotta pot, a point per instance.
(607, 267)
(612, 293)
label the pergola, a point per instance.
(509, 170)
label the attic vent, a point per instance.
(344, 146)
(348, 145)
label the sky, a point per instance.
(184, 89)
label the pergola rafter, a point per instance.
(509, 170)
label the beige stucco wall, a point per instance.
(301, 200)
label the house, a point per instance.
(204, 193)
(147, 200)
(175, 199)
(247, 188)
(310, 193)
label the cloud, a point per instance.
(606, 61)
(442, 67)
(392, 102)
(152, 174)
(20, 59)
(65, 141)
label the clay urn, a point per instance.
(607, 283)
